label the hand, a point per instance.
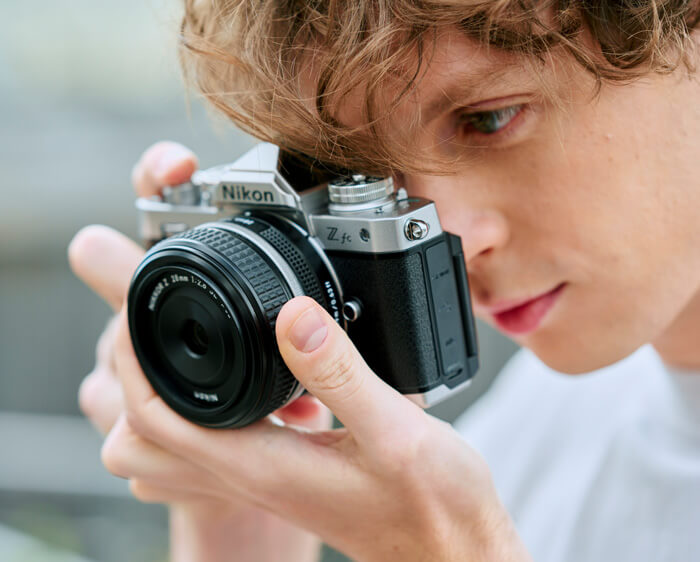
(394, 484)
(205, 525)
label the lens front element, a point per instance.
(195, 337)
(184, 314)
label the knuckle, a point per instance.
(406, 447)
(115, 454)
(399, 454)
(336, 374)
(138, 421)
(145, 492)
(135, 420)
(88, 394)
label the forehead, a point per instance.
(455, 71)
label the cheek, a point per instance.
(625, 283)
(628, 255)
(599, 324)
(603, 203)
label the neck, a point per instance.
(679, 345)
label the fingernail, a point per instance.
(308, 331)
(170, 158)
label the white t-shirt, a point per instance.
(602, 467)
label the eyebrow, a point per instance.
(467, 87)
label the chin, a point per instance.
(576, 353)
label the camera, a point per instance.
(231, 246)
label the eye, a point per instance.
(489, 122)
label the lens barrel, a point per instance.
(202, 308)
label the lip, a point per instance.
(522, 316)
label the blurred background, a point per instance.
(85, 87)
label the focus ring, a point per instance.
(268, 288)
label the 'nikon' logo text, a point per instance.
(237, 192)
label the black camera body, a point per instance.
(237, 242)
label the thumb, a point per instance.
(321, 356)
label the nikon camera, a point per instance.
(234, 244)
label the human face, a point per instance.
(590, 204)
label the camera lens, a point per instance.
(202, 310)
(195, 337)
(184, 318)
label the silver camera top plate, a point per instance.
(392, 223)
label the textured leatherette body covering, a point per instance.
(394, 333)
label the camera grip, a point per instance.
(416, 331)
(394, 333)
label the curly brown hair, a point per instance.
(251, 59)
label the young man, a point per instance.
(560, 141)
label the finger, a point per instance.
(128, 455)
(147, 492)
(105, 345)
(307, 412)
(252, 454)
(101, 399)
(164, 163)
(104, 260)
(152, 492)
(319, 353)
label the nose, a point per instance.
(466, 211)
(482, 231)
